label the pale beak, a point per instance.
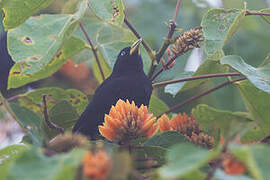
(135, 46)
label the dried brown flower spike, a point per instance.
(66, 142)
(202, 140)
(187, 41)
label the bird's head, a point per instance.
(129, 59)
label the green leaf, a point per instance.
(266, 18)
(107, 70)
(217, 121)
(70, 48)
(210, 65)
(109, 11)
(17, 11)
(30, 121)
(32, 164)
(176, 87)
(155, 152)
(34, 44)
(7, 155)
(10, 152)
(218, 27)
(256, 159)
(63, 115)
(184, 158)
(33, 100)
(257, 102)
(260, 76)
(157, 106)
(166, 139)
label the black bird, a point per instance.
(127, 81)
(5, 63)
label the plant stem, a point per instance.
(177, 8)
(195, 78)
(257, 13)
(202, 94)
(162, 69)
(46, 117)
(218, 162)
(145, 45)
(93, 49)
(166, 42)
(148, 167)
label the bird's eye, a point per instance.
(123, 53)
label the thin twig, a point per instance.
(248, 13)
(195, 78)
(46, 117)
(177, 8)
(93, 49)
(218, 163)
(202, 94)
(167, 41)
(148, 167)
(145, 45)
(162, 68)
(12, 98)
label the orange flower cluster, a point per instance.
(96, 166)
(126, 121)
(187, 126)
(184, 124)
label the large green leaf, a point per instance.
(63, 115)
(157, 106)
(166, 139)
(7, 155)
(70, 48)
(219, 121)
(218, 27)
(257, 103)
(256, 158)
(34, 44)
(33, 100)
(260, 76)
(10, 152)
(31, 122)
(17, 11)
(183, 159)
(32, 164)
(108, 10)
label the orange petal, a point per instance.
(148, 124)
(152, 131)
(164, 123)
(107, 133)
(111, 122)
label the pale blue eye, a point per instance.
(123, 53)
